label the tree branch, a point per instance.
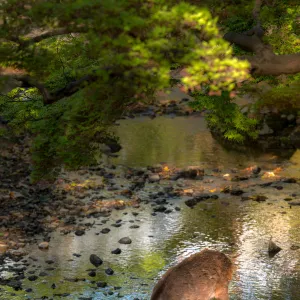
(52, 33)
(70, 89)
(265, 61)
(39, 35)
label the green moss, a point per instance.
(283, 98)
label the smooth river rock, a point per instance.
(125, 241)
(96, 260)
(44, 245)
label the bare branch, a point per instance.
(52, 97)
(45, 35)
(39, 35)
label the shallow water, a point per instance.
(186, 141)
(240, 229)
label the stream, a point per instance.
(238, 228)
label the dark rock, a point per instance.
(289, 180)
(95, 260)
(190, 173)
(275, 122)
(161, 201)
(101, 284)
(92, 273)
(256, 170)
(76, 255)
(201, 197)
(116, 225)
(239, 178)
(62, 295)
(294, 137)
(32, 278)
(125, 241)
(245, 198)
(134, 226)
(156, 168)
(15, 284)
(79, 232)
(116, 251)
(266, 184)
(259, 198)
(236, 192)
(109, 271)
(105, 230)
(49, 261)
(113, 145)
(295, 247)
(197, 198)
(273, 249)
(226, 189)
(278, 187)
(177, 208)
(53, 286)
(160, 208)
(191, 202)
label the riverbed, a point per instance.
(235, 225)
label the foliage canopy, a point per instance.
(82, 62)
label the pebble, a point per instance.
(109, 271)
(95, 260)
(116, 251)
(101, 284)
(44, 245)
(79, 232)
(92, 273)
(125, 241)
(32, 278)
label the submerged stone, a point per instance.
(273, 248)
(109, 271)
(95, 260)
(116, 251)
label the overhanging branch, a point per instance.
(70, 89)
(40, 35)
(265, 61)
(31, 38)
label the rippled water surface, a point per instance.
(239, 228)
(185, 141)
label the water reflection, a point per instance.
(240, 229)
(180, 142)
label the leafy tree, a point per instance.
(81, 62)
(266, 34)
